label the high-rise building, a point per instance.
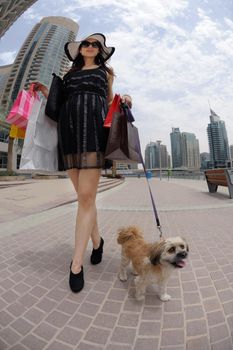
(41, 55)
(10, 10)
(231, 152)
(205, 158)
(152, 156)
(218, 142)
(4, 74)
(190, 151)
(185, 150)
(176, 148)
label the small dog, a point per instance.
(152, 262)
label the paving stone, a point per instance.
(105, 320)
(215, 317)
(70, 336)
(45, 304)
(172, 337)
(97, 335)
(147, 344)
(68, 307)
(80, 321)
(89, 346)
(123, 335)
(56, 345)
(194, 312)
(9, 336)
(128, 319)
(149, 313)
(149, 328)
(196, 327)
(45, 331)
(201, 343)
(89, 309)
(111, 307)
(34, 315)
(22, 326)
(225, 344)
(57, 319)
(175, 320)
(5, 318)
(218, 332)
(16, 309)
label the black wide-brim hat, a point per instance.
(72, 47)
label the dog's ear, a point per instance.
(156, 251)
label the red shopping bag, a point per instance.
(21, 109)
(115, 107)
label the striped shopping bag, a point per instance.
(20, 111)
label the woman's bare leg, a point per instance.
(88, 180)
(74, 176)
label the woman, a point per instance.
(82, 139)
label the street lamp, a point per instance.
(160, 169)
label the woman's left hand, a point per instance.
(127, 99)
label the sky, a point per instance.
(174, 57)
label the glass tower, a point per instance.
(176, 148)
(218, 142)
(41, 55)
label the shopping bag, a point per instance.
(21, 109)
(123, 143)
(17, 133)
(55, 98)
(115, 107)
(40, 145)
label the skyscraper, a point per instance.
(10, 10)
(176, 148)
(41, 54)
(218, 141)
(185, 150)
(152, 156)
(190, 151)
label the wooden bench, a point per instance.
(219, 177)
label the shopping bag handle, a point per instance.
(127, 112)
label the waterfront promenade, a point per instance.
(37, 309)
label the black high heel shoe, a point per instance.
(96, 255)
(76, 280)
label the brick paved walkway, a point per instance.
(37, 310)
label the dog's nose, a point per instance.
(182, 255)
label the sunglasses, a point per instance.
(85, 44)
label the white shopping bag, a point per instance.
(40, 144)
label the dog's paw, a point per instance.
(122, 276)
(165, 297)
(134, 273)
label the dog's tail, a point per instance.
(128, 233)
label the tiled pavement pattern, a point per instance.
(37, 310)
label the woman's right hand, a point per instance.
(37, 86)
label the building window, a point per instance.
(3, 160)
(4, 134)
(18, 160)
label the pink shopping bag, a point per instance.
(20, 111)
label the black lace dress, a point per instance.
(81, 136)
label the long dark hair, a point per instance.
(78, 63)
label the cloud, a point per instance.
(7, 57)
